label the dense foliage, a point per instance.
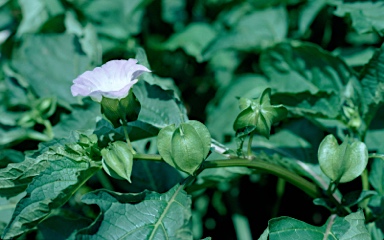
(260, 119)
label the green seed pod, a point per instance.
(184, 147)
(118, 110)
(342, 163)
(118, 160)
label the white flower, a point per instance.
(112, 80)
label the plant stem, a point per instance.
(149, 157)
(125, 126)
(311, 189)
(249, 152)
(308, 187)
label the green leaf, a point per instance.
(76, 120)
(16, 176)
(61, 60)
(312, 80)
(174, 11)
(376, 176)
(350, 227)
(49, 190)
(259, 114)
(10, 156)
(36, 12)
(116, 19)
(308, 13)
(137, 130)
(7, 206)
(226, 104)
(342, 163)
(147, 215)
(366, 16)
(271, 25)
(184, 147)
(159, 107)
(355, 197)
(193, 39)
(372, 81)
(62, 224)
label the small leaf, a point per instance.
(146, 215)
(342, 163)
(355, 197)
(184, 147)
(259, 113)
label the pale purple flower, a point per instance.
(113, 80)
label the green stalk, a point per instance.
(125, 127)
(311, 189)
(249, 152)
(300, 182)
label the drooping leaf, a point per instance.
(61, 60)
(146, 215)
(350, 227)
(366, 16)
(342, 163)
(355, 197)
(49, 190)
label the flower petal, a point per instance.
(114, 79)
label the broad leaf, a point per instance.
(76, 120)
(351, 227)
(271, 25)
(193, 39)
(376, 176)
(116, 19)
(49, 190)
(36, 13)
(159, 107)
(147, 215)
(7, 206)
(62, 224)
(61, 60)
(372, 81)
(366, 16)
(345, 162)
(313, 83)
